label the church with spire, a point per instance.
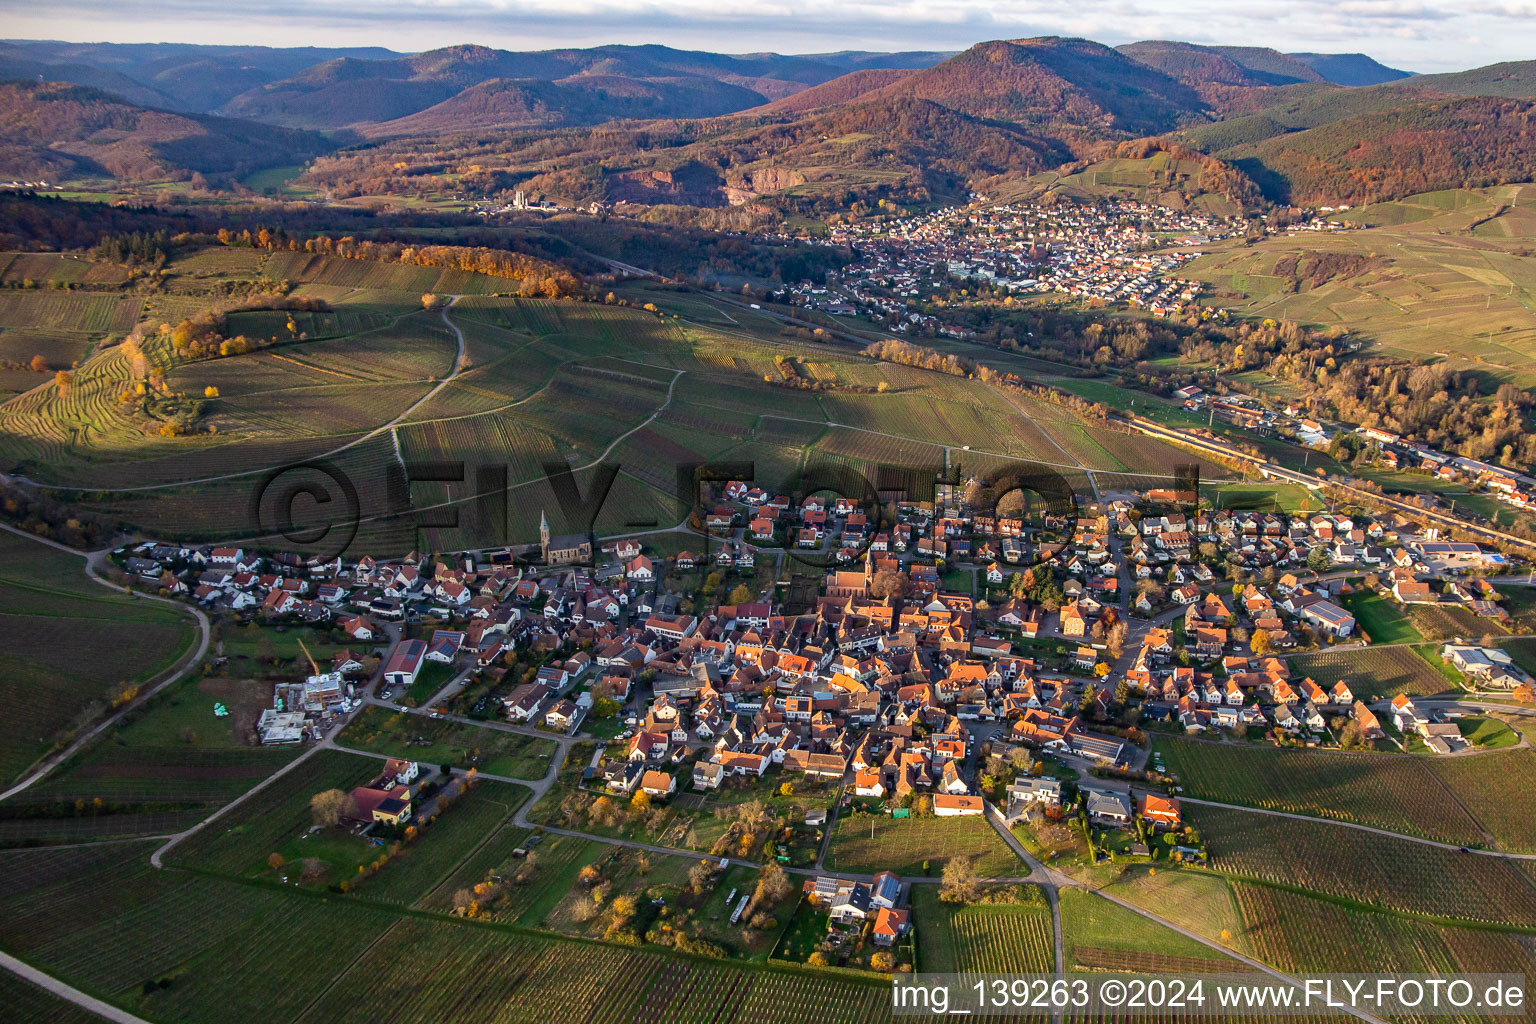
(563, 549)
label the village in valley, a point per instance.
(1116, 251)
(515, 516)
(863, 692)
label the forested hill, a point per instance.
(55, 131)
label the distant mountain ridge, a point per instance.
(331, 88)
(1351, 69)
(1511, 78)
(804, 135)
(189, 77)
(1199, 65)
(53, 130)
(1076, 84)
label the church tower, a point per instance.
(544, 536)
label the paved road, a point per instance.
(826, 839)
(93, 561)
(1049, 879)
(68, 992)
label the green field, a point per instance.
(1263, 497)
(1100, 935)
(77, 647)
(878, 842)
(1382, 618)
(272, 816)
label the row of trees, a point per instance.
(536, 275)
(203, 336)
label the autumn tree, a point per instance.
(960, 882)
(330, 806)
(773, 885)
(887, 583)
(39, 364)
(1260, 642)
(1021, 759)
(739, 594)
(1114, 638)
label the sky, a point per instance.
(1416, 35)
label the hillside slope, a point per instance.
(1070, 85)
(1471, 142)
(1193, 65)
(580, 100)
(1351, 69)
(17, 65)
(837, 92)
(183, 76)
(1512, 78)
(57, 130)
(349, 91)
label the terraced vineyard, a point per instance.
(17, 268)
(420, 869)
(561, 980)
(543, 381)
(1441, 622)
(69, 311)
(1295, 933)
(25, 1003)
(480, 440)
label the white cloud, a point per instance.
(1422, 35)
